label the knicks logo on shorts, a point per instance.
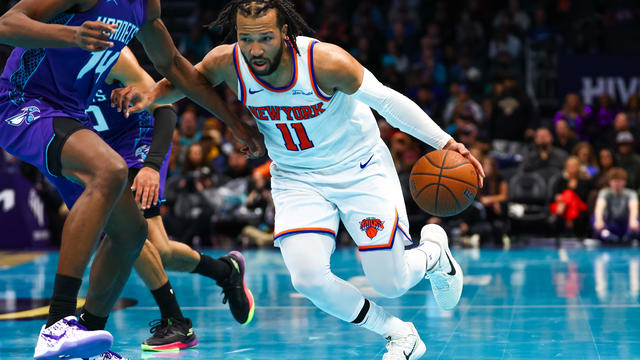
(371, 226)
(28, 114)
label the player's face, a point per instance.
(261, 42)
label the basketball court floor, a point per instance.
(518, 304)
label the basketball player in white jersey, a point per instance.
(311, 102)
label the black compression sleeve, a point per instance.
(165, 121)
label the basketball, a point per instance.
(443, 183)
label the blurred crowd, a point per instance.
(559, 169)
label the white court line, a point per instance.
(460, 307)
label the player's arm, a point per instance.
(337, 70)
(216, 67)
(598, 213)
(24, 25)
(633, 214)
(170, 63)
(146, 184)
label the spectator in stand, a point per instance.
(571, 194)
(542, 30)
(588, 162)
(616, 213)
(544, 155)
(633, 110)
(514, 17)
(429, 68)
(462, 102)
(621, 123)
(606, 161)
(400, 144)
(427, 102)
(394, 58)
(627, 159)
(573, 112)
(566, 138)
(504, 43)
(175, 160)
(195, 159)
(189, 133)
(493, 196)
(602, 116)
(512, 115)
(195, 45)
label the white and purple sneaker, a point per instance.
(68, 339)
(108, 355)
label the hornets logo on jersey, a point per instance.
(28, 114)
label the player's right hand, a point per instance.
(253, 141)
(130, 100)
(94, 35)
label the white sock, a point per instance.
(433, 251)
(383, 323)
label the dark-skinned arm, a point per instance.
(146, 184)
(24, 25)
(171, 64)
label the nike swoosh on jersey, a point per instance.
(362, 166)
(254, 91)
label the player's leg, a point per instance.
(103, 174)
(172, 331)
(228, 271)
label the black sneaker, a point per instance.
(235, 291)
(170, 335)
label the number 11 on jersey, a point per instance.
(301, 133)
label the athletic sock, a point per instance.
(216, 269)
(64, 299)
(167, 302)
(433, 251)
(381, 322)
(91, 321)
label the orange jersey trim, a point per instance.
(304, 230)
(316, 88)
(243, 89)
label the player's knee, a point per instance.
(389, 289)
(309, 283)
(112, 176)
(134, 237)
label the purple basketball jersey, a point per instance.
(69, 77)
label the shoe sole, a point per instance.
(173, 347)
(444, 243)
(94, 346)
(247, 292)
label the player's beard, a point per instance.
(271, 65)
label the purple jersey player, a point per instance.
(142, 140)
(64, 49)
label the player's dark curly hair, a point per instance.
(286, 14)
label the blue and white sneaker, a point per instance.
(446, 274)
(68, 339)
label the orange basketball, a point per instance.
(443, 183)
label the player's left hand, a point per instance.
(456, 146)
(146, 186)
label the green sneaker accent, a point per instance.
(235, 264)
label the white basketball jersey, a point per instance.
(303, 127)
